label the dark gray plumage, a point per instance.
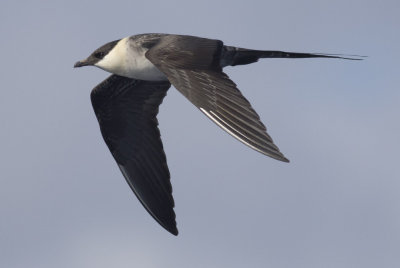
(199, 78)
(126, 110)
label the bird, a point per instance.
(126, 104)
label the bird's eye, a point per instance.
(99, 55)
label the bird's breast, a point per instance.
(139, 67)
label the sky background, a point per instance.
(64, 202)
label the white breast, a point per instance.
(128, 59)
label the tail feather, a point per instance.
(240, 56)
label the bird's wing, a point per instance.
(192, 66)
(126, 110)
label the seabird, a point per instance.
(126, 104)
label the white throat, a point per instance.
(128, 59)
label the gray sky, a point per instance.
(64, 203)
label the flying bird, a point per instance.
(126, 104)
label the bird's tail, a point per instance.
(239, 56)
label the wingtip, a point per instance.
(173, 230)
(282, 159)
(169, 225)
(278, 156)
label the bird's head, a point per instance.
(103, 57)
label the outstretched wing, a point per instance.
(192, 65)
(126, 110)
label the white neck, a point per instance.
(128, 59)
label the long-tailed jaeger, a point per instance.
(126, 104)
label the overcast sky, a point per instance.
(64, 202)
